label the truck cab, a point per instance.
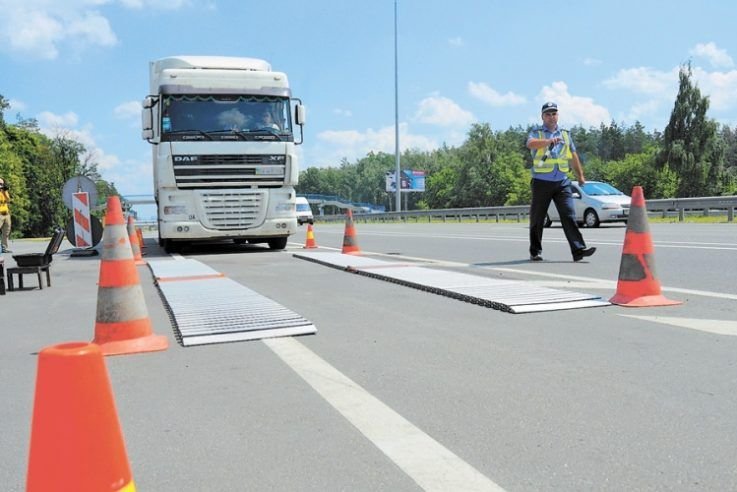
(222, 131)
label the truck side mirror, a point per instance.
(147, 118)
(300, 114)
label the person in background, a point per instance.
(553, 154)
(4, 215)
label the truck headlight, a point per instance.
(175, 210)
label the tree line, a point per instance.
(694, 156)
(35, 168)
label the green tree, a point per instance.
(690, 146)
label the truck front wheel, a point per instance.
(278, 243)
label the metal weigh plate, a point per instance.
(207, 307)
(505, 295)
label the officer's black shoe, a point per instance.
(581, 253)
(536, 257)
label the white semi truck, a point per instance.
(224, 160)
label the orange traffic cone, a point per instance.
(638, 285)
(139, 233)
(350, 246)
(122, 325)
(135, 243)
(310, 241)
(76, 440)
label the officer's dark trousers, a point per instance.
(559, 192)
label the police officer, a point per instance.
(4, 215)
(553, 154)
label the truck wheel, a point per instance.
(171, 246)
(278, 243)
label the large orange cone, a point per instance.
(122, 325)
(310, 241)
(350, 246)
(76, 440)
(135, 243)
(638, 285)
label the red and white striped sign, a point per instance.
(82, 225)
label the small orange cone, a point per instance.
(139, 233)
(310, 241)
(638, 285)
(350, 246)
(122, 325)
(135, 243)
(76, 440)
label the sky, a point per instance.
(81, 66)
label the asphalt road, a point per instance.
(403, 390)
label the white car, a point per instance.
(595, 202)
(304, 212)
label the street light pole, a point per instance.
(398, 181)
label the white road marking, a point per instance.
(426, 461)
(719, 327)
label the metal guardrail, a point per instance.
(679, 207)
(667, 207)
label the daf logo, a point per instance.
(186, 158)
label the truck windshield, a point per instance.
(213, 117)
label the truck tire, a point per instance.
(171, 246)
(278, 243)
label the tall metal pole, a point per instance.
(398, 181)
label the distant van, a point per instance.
(304, 212)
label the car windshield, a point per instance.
(599, 189)
(302, 207)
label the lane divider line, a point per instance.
(431, 465)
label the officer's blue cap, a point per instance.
(549, 106)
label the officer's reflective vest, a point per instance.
(548, 165)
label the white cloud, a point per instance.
(574, 110)
(41, 28)
(456, 41)
(50, 120)
(716, 56)
(91, 28)
(645, 80)
(592, 62)
(643, 110)
(155, 4)
(16, 105)
(487, 94)
(353, 144)
(346, 113)
(441, 111)
(721, 87)
(128, 110)
(66, 125)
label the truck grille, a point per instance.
(229, 171)
(233, 210)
